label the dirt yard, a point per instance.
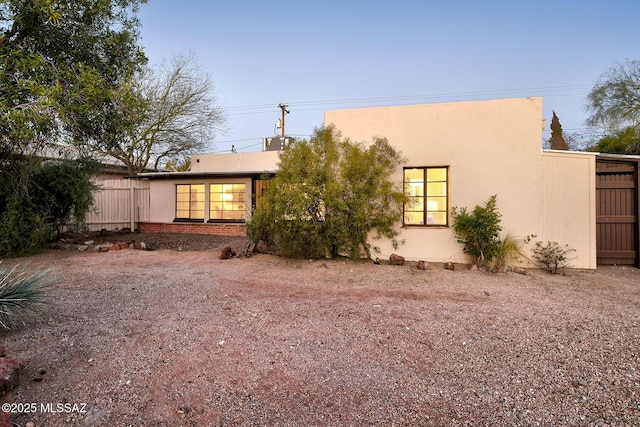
(173, 337)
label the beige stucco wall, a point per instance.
(490, 147)
(569, 207)
(163, 195)
(233, 162)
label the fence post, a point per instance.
(132, 209)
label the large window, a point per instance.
(227, 202)
(427, 191)
(190, 202)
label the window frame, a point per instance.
(190, 218)
(425, 211)
(228, 220)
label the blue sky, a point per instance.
(326, 55)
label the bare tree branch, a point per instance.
(167, 112)
(614, 102)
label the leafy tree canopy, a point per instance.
(625, 141)
(329, 195)
(61, 59)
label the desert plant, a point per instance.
(508, 254)
(20, 292)
(479, 230)
(551, 256)
(330, 196)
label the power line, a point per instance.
(268, 108)
(235, 149)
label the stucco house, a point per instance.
(458, 154)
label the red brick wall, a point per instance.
(198, 228)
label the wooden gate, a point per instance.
(617, 211)
(259, 188)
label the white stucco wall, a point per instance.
(490, 147)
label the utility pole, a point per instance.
(283, 107)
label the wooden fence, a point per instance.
(120, 203)
(617, 210)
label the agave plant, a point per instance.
(20, 292)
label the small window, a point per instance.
(190, 202)
(427, 192)
(227, 202)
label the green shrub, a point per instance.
(551, 257)
(258, 226)
(22, 230)
(330, 196)
(21, 292)
(43, 201)
(63, 191)
(479, 230)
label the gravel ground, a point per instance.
(181, 338)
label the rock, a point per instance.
(139, 246)
(83, 248)
(449, 266)
(520, 270)
(10, 371)
(395, 259)
(577, 383)
(249, 250)
(263, 247)
(227, 253)
(473, 267)
(89, 242)
(119, 245)
(422, 265)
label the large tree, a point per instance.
(329, 195)
(557, 141)
(61, 59)
(614, 102)
(162, 113)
